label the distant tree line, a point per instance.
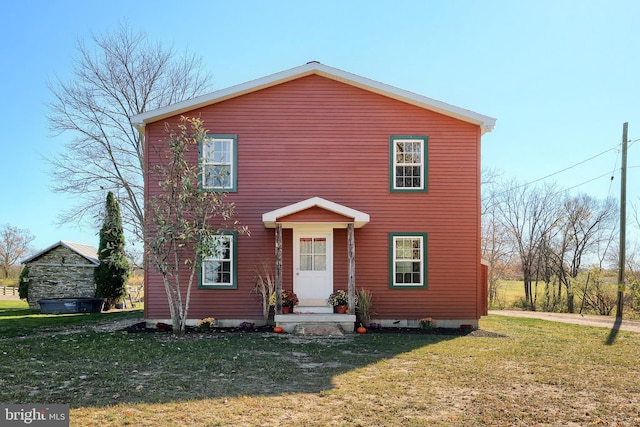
(565, 243)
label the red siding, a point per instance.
(314, 214)
(318, 137)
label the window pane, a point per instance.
(306, 262)
(221, 175)
(320, 263)
(211, 271)
(319, 245)
(222, 151)
(306, 245)
(403, 267)
(207, 150)
(226, 251)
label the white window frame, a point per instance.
(420, 162)
(231, 239)
(394, 260)
(228, 163)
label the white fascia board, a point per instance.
(140, 120)
(486, 123)
(359, 218)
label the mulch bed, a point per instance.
(141, 328)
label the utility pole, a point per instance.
(623, 222)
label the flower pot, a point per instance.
(341, 309)
(286, 309)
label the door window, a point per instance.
(313, 254)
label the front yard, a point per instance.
(539, 373)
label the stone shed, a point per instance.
(63, 270)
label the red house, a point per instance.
(363, 185)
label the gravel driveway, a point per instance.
(578, 319)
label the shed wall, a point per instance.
(60, 273)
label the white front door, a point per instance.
(313, 269)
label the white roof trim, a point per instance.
(486, 123)
(359, 218)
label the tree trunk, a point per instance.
(278, 269)
(351, 255)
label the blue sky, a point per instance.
(560, 76)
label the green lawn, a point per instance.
(511, 293)
(16, 319)
(536, 373)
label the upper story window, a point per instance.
(408, 163)
(219, 163)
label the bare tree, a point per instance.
(495, 247)
(14, 244)
(585, 223)
(529, 214)
(119, 76)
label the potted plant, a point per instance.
(289, 299)
(339, 300)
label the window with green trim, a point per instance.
(408, 166)
(219, 272)
(219, 164)
(407, 260)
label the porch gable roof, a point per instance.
(359, 218)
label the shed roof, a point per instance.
(486, 123)
(86, 251)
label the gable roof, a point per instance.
(86, 251)
(486, 123)
(359, 218)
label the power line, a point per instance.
(593, 179)
(603, 175)
(570, 167)
(613, 172)
(615, 147)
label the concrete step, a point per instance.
(289, 322)
(312, 309)
(318, 329)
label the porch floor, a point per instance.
(289, 322)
